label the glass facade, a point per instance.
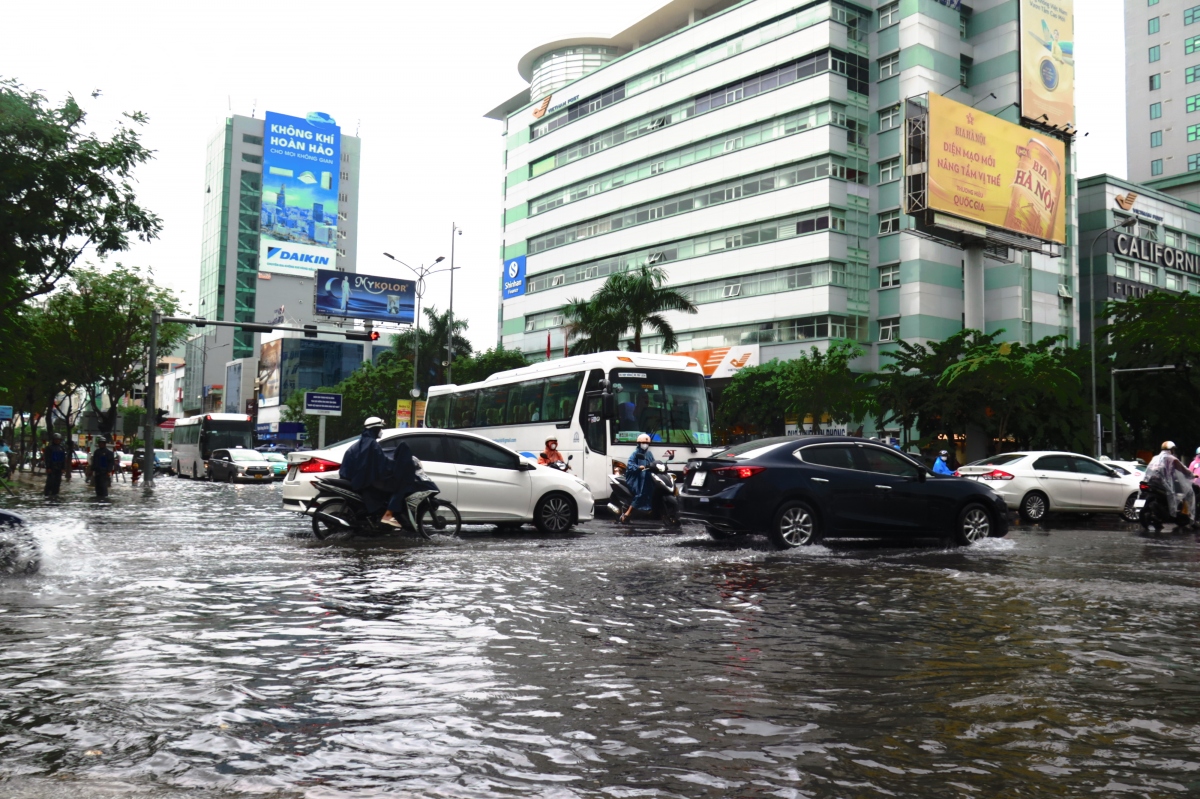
(308, 364)
(215, 227)
(553, 70)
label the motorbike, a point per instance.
(4, 467)
(19, 550)
(562, 466)
(338, 508)
(1153, 508)
(664, 503)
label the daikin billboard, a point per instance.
(299, 213)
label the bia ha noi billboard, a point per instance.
(995, 173)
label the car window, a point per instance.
(424, 448)
(740, 450)
(1086, 466)
(221, 455)
(1053, 463)
(245, 456)
(1000, 460)
(472, 452)
(883, 462)
(838, 456)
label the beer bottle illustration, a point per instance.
(1034, 206)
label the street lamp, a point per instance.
(422, 273)
(454, 231)
(1126, 223)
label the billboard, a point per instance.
(514, 278)
(1048, 61)
(298, 218)
(353, 296)
(724, 361)
(995, 173)
(269, 363)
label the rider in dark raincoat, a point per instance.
(379, 479)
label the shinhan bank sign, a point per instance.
(513, 284)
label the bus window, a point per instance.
(561, 394)
(436, 409)
(525, 402)
(492, 402)
(462, 410)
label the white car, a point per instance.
(1037, 483)
(486, 482)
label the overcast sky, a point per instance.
(413, 78)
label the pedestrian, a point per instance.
(54, 457)
(941, 465)
(101, 465)
(637, 479)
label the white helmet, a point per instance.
(644, 437)
(1168, 445)
(372, 423)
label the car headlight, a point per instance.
(241, 469)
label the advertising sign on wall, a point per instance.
(514, 277)
(269, 363)
(299, 212)
(996, 173)
(404, 412)
(724, 361)
(1048, 61)
(354, 296)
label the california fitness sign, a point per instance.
(1153, 253)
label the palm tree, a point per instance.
(431, 370)
(636, 299)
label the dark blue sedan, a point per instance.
(800, 490)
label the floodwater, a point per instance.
(197, 642)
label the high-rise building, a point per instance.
(240, 215)
(753, 150)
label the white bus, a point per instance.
(197, 436)
(663, 396)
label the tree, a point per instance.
(756, 397)
(909, 391)
(371, 390)
(634, 299)
(482, 365)
(432, 347)
(62, 190)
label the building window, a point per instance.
(1156, 136)
(1192, 74)
(889, 118)
(251, 159)
(889, 14)
(889, 276)
(1193, 164)
(1151, 2)
(1191, 15)
(1156, 166)
(1193, 132)
(1155, 53)
(1155, 82)
(1146, 274)
(1191, 45)
(889, 170)
(1153, 26)
(1193, 103)
(889, 222)
(1124, 269)
(964, 70)
(889, 66)
(889, 329)
(250, 138)
(1172, 238)
(1193, 285)
(964, 15)
(1155, 110)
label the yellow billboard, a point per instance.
(995, 173)
(1048, 61)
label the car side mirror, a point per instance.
(609, 405)
(570, 458)
(525, 466)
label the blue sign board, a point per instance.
(514, 277)
(319, 404)
(298, 218)
(354, 296)
(6, 413)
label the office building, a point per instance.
(244, 213)
(753, 150)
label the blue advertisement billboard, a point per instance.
(298, 224)
(514, 277)
(352, 296)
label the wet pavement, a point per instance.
(197, 642)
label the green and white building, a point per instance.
(753, 149)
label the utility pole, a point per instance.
(151, 386)
(454, 233)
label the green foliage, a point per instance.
(431, 348)
(634, 299)
(756, 398)
(371, 390)
(63, 190)
(482, 365)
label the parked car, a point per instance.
(79, 459)
(279, 464)
(1136, 467)
(162, 458)
(1038, 483)
(239, 466)
(800, 490)
(488, 483)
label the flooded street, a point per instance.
(198, 642)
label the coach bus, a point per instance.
(197, 436)
(663, 396)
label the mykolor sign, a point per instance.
(1152, 252)
(995, 173)
(1048, 61)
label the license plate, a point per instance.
(258, 477)
(1138, 504)
(698, 478)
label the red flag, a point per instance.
(547, 346)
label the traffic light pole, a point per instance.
(156, 319)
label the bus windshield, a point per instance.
(671, 407)
(228, 434)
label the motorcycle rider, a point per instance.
(379, 479)
(56, 459)
(941, 465)
(1167, 473)
(102, 464)
(550, 455)
(637, 479)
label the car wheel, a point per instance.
(1130, 514)
(554, 514)
(795, 525)
(229, 477)
(1034, 507)
(974, 525)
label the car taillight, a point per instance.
(740, 472)
(956, 473)
(1143, 486)
(996, 474)
(313, 465)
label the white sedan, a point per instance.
(486, 482)
(1037, 483)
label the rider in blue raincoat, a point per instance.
(636, 478)
(940, 466)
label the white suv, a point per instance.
(486, 482)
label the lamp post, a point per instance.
(422, 273)
(455, 231)
(1126, 223)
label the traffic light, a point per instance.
(160, 416)
(370, 335)
(374, 335)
